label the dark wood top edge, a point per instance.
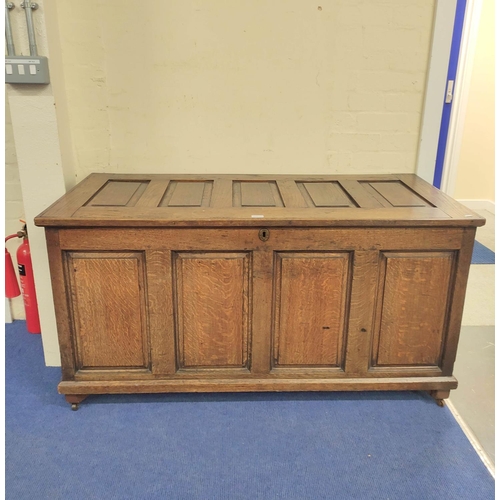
(86, 223)
(70, 210)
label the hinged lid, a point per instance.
(254, 200)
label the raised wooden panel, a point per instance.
(324, 194)
(187, 194)
(212, 309)
(396, 194)
(311, 291)
(256, 194)
(108, 309)
(119, 194)
(413, 303)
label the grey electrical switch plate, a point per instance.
(27, 69)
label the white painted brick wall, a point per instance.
(376, 125)
(263, 87)
(13, 203)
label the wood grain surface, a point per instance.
(324, 194)
(398, 194)
(187, 194)
(258, 385)
(414, 293)
(256, 194)
(212, 309)
(107, 292)
(461, 274)
(194, 239)
(134, 200)
(361, 311)
(311, 294)
(119, 194)
(162, 284)
(61, 291)
(161, 312)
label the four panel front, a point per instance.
(311, 290)
(208, 314)
(211, 307)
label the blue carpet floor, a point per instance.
(482, 254)
(399, 446)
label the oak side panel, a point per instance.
(310, 322)
(109, 309)
(458, 300)
(212, 309)
(61, 303)
(414, 291)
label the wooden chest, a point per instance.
(179, 283)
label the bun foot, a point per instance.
(439, 396)
(75, 399)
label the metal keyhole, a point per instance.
(264, 234)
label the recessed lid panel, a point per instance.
(118, 194)
(187, 194)
(396, 194)
(325, 194)
(251, 200)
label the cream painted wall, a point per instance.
(249, 86)
(14, 208)
(42, 176)
(476, 166)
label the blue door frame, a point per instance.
(452, 74)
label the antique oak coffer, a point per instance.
(179, 283)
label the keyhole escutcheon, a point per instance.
(264, 234)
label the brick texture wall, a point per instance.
(251, 86)
(378, 106)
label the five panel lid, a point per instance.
(215, 200)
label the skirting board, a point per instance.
(479, 205)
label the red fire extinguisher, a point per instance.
(25, 269)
